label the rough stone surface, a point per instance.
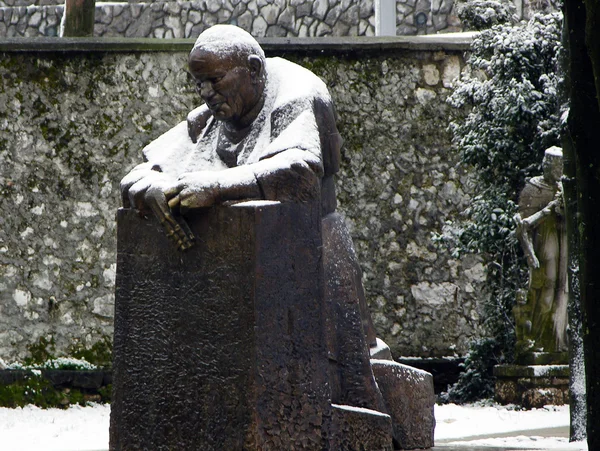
(351, 379)
(409, 398)
(221, 347)
(532, 386)
(357, 429)
(81, 123)
(340, 17)
(83, 119)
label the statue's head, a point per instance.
(552, 164)
(228, 66)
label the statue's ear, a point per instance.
(256, 66)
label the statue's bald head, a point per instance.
(228, 67)
(229, 41)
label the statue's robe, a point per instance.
(547, 295)
(293, 150)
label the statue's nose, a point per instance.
(207, 91)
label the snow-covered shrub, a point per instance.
(513, 117)
(59, 363)
(474, 381)
(482, 14)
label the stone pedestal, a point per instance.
(221, 347)
(532, 386)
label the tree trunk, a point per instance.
(576, 360)
(583, 135)
(78, 19)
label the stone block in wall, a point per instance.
(333, 15)
(367, 9)
(259, 27)
(270, 12)
(350, 16)
(304, 9)
(142, 25)
(320, 9)
(532, 386)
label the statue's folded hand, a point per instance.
(156, 200)
(194, 190)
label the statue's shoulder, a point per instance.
(299, 89)
(294, 83)
(169, 149)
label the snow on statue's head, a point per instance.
(552, 164)
(228, 40)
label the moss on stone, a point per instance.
(99, 354)
(41, 351)
(35, 389)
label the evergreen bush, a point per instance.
(513, 117)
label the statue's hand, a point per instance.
(156, 200)
(533, 262)
(136, 193)
(136, 174)
(194, 190)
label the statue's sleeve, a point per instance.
(291, 166)
(167, 152)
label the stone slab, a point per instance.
(410, 399)
(272, 46)
(358, 429)
(221, 347)
(531, 371)
(532, 386)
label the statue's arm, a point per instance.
(523, 232)
(143, 189)
(291, 175)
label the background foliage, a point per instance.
(514, 117)
(483, 14)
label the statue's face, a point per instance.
(552, 168)
(229, 85)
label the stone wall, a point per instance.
(72, 123)
(184, 19)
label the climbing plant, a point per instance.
(513, 116)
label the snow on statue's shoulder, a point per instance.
(293, 82)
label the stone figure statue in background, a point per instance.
(542, 321)
(266, 131)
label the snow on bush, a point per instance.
(513, 116)
(482, 14)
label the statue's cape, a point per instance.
(297, 114)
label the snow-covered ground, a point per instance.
(503, 427)
(475, 427)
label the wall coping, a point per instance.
(329, 45)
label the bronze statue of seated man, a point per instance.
(266, 130)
